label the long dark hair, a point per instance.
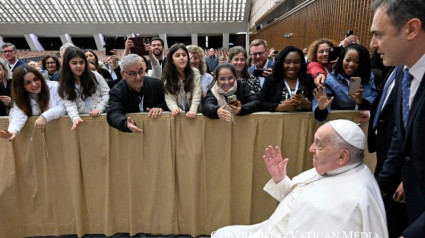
(364, 68)
(223, 66)
(21, 97)
(170, 74)
(66, 79)
(278, 70)
(236, 50)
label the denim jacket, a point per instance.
(337, 86)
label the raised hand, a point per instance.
(322, 98)
(275, 164)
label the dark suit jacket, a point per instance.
(19, 63)
(211, 63)
(407, 154)
(124, 100)
(380, 141)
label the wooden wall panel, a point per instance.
(322, 18)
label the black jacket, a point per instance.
(243, 93)
(122, 100)
(5, 92)
(271, 93)
(406, 155)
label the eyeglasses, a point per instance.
(257, 54)
(51, 62)
(7, 51)
(133, 74)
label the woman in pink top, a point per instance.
(318, 57)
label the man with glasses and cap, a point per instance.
(339, 197)
(135, 93)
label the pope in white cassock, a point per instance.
(339, 197)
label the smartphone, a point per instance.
(355, 83)
(139, 45)
(334, 53)
(232, 99)
(348, 33)
(109, 45)
(258, 72)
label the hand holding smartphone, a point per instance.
(349, 33)
(232, 99)
(355, 83)
(139, 45)
(334, 53)
(259, 72)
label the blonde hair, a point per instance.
(196, 50)
(7, 73)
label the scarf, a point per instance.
(221, 95)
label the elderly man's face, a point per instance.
(212, 52)
(134, 75)
(325, 151)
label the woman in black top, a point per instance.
(289, 88)
(221, 102)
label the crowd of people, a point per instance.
(188, 80)
(191, 80)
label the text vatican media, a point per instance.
(298, 234)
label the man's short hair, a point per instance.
(258, 42)
(401, 11)
(129, 60)
(7, 45)
(158, 39)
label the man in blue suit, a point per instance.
(259, 53)
(10, 53)
(398, 30)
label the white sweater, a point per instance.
(17, 117)
(99, 100)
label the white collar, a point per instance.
(418, 69)
(343, 169)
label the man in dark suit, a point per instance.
(381, 127)
(212, 61)
(135, 93)
(398, 30)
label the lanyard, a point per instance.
(290, 91)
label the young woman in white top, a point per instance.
(84, 92)
(32, 96)
(182, 83)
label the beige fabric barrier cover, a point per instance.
(179, 176)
